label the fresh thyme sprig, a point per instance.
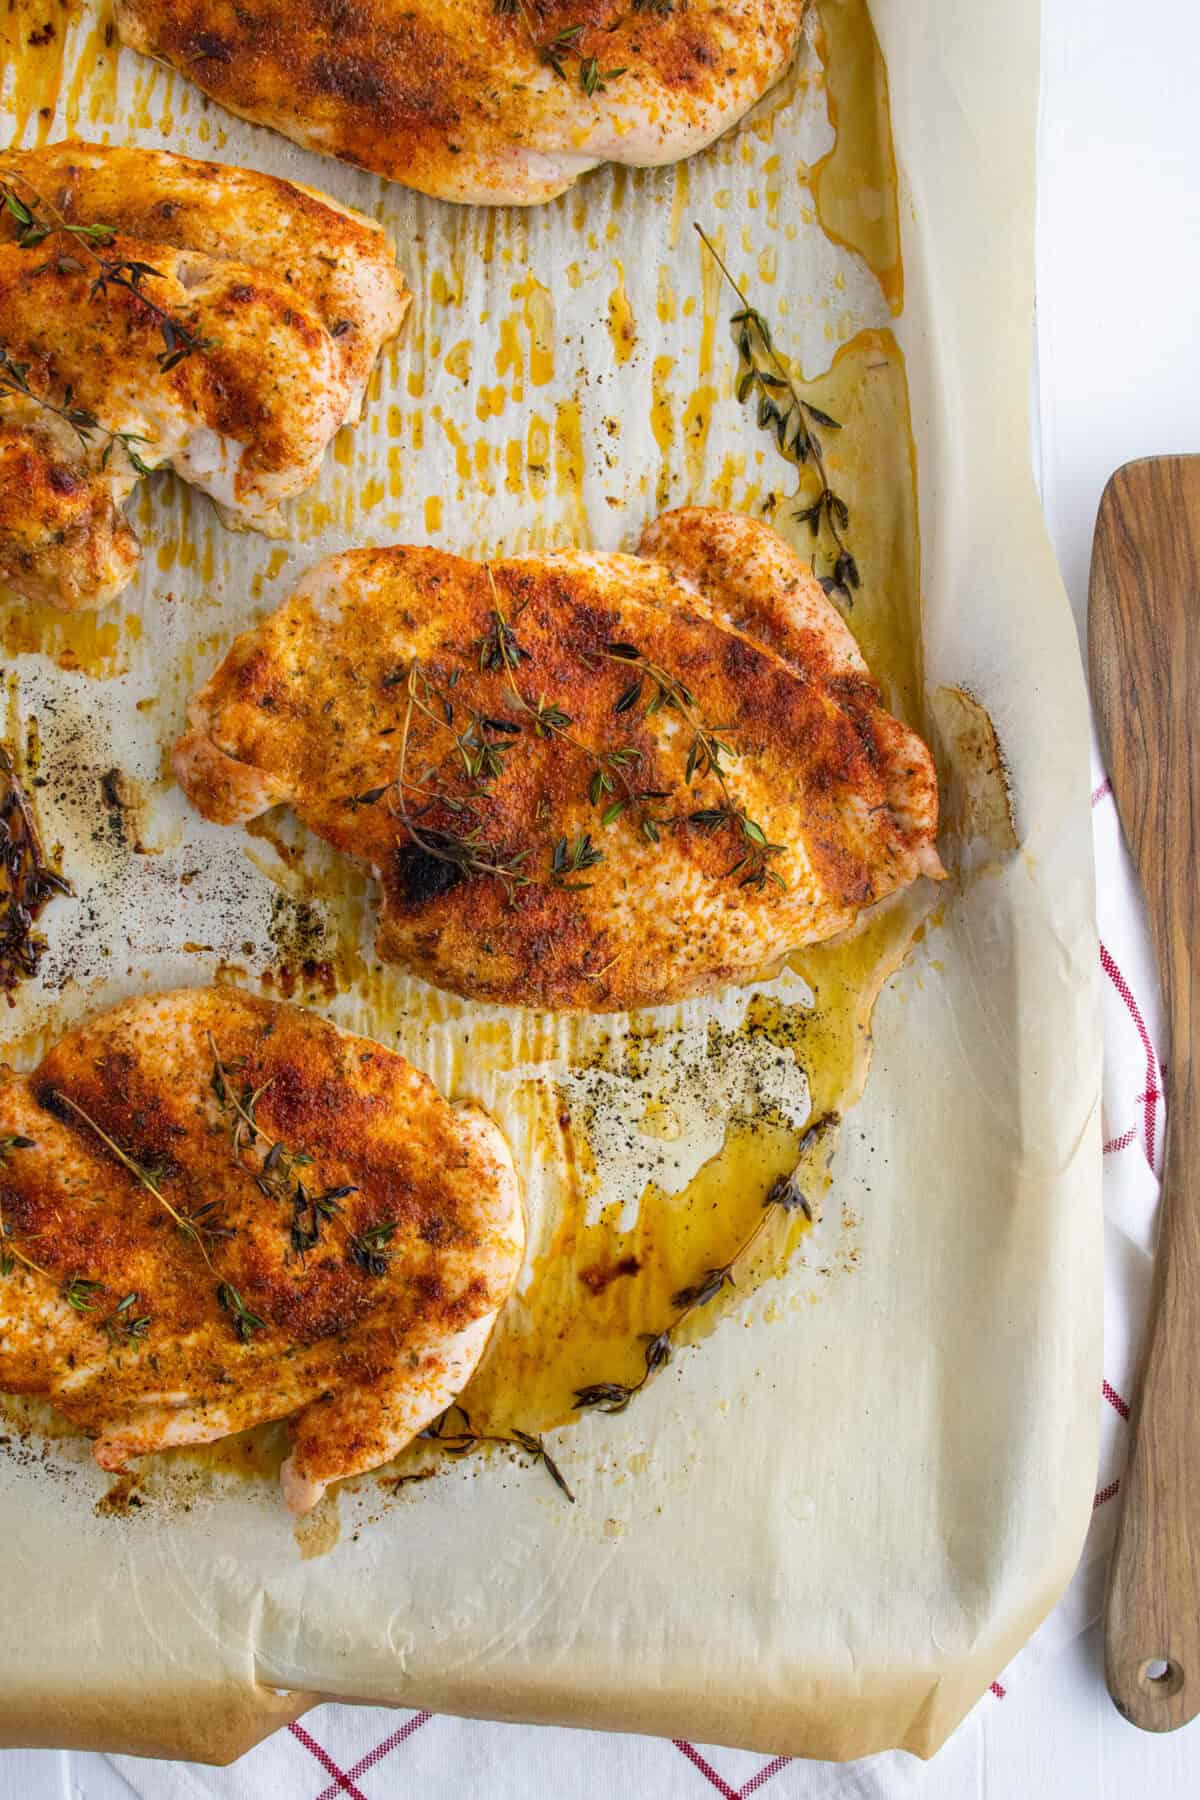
(786, 1196)
(783, 410)
(179, 340)
(466, 850)
(200, 1227)
(276, 1177)
(484, 747)
(706, 757)
(14, 379)
(460, 1441)
(555, 51)
(27, 882)
(500, 649)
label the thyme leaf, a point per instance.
(245, 1322)
(370, 1248)
(79, 1293)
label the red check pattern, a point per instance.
(345, 1781)
(349, 1753)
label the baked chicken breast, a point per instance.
(217, 1210)
(584, 781)
(285, 296)
(492, 101)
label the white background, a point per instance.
(1118, 336)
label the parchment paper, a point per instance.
(829, 1529)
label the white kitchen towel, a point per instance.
(366, 1753)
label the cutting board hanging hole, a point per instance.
(1161, 1676)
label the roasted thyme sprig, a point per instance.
(200, 1228)
(485, 745)
(370, 1248)
(483, 750)
(706, 757)
(783, 410)
(14, 379)
(785, 1196)
(179, 340)
(27, 882)
(463, 1439)
(240, 1107)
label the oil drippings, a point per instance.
(90, 642)
(855, 185)
(622, 326)
(598, 1291)
(33, 45)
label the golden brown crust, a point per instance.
(457, 97)
(288, 297)
(63, 537)
(400, 1162)
(334, 260)
(317, 706)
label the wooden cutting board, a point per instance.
(1144, 647)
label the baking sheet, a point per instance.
(828, 1525)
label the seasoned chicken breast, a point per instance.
(288, 295)
(218, 1210)
(494, 101)
(583, 781)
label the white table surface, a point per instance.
(1118, 377)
